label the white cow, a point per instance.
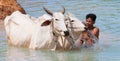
(21, 30)
(75, 27)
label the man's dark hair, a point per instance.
(92, 16)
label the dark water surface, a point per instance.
(108, 13)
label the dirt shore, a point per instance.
(1, 25)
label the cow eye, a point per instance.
(56, 19)
(72, 20)
(66, 19)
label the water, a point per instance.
(108, 21)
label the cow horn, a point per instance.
(49, 12)
(63, 10)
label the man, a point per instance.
(90, 21)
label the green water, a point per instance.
(108, 13)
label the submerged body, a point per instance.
(22, 31)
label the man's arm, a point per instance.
(94, 35)
(96, 32)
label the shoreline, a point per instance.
(2, 25)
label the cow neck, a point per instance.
(55, 38)
(53, 28)
(70, 30)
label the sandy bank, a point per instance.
(1, 25)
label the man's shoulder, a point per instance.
(96, 29)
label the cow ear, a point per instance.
(46, 23)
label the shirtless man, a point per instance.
(90, 21)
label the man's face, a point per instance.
(89, 22)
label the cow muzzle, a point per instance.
(66, 33)
(85, 28)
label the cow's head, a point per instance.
(58, 22)
(73, 23)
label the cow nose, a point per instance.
(86, 28)
(66, 33)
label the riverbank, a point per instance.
(1, 25)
